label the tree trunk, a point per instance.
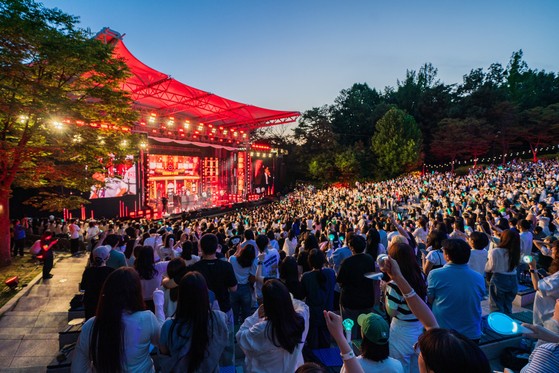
(5, 254)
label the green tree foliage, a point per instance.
(56, 80)
(397, 142)
(353, 115)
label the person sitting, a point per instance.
(195, 338)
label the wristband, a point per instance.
(410, 294)
(348, 355)
(532, 271)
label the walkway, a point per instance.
(29, 331)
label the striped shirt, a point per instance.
(396, 301)
(544, 359)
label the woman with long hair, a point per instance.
(187, 253)
(318, 288)
(405, 328)
(195, 338)
(118, 338)
(289, 275)
(501, 264)
(244, 267)
(290, 243)
(171, 292)
(273, 337)
(150, 273)
(374, 247)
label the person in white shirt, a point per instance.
(282, 318)
(478, 257)
(267, 264)
(74, 231)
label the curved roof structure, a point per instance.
(159, 95)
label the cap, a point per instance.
(102, 252)
(374, 328)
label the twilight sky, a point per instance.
(297, 54)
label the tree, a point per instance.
(56, 83)
(353, 114)
(449, 141)
(397, 142)
(540, 127)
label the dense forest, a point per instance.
(371, 134)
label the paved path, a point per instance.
(29, 332)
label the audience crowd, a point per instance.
(406, 261)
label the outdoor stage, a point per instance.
(195, 151)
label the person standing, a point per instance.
(19, 238)
(502, 263)
(357, 294)
(93, 279)
(221, 279)
(47, 244)
(74, 231)
(456, 291)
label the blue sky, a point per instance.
(294, 55)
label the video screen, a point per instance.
(117, 179)
(173, 165)
(262, 176)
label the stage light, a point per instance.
(152, 117)
(225, 132)
(214, 130)
(252, 154)
(235, 134)
(244, 135)
(58, 125)
(200, 127)
(186, 124)
(143, 145)
(171, 121)
(258, 154)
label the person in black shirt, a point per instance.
(220, 276)
(357, 295)
(93, 279)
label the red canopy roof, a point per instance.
(153, 91)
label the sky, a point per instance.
(299, 54)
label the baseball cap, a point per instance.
(101, 252)
(374, 328)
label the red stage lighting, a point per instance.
(12, 282)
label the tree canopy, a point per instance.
(57, 82)
(492, 112)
